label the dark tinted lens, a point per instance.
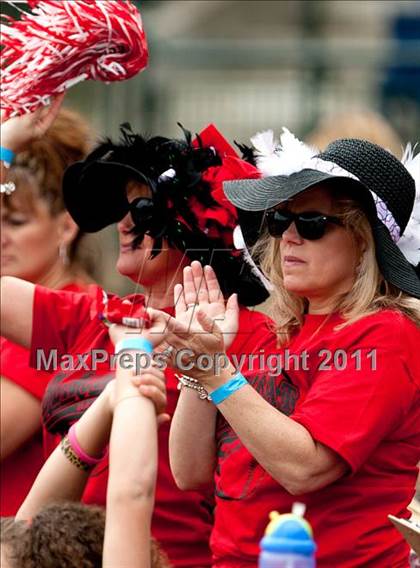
(311, 227)
(141, 210)
(278, 222)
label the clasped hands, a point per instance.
(204, 324)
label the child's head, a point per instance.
(63, 535)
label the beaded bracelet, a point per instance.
(190, 383)
(8, 188)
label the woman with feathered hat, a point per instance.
(336, 427)
(166, 196)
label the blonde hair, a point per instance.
(369, 294)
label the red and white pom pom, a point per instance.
(61, 43)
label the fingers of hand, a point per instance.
(179, 300)
(163, 419)
(159, 320)
(232, 313)
(214, 291)
(49, 113)
(199, 282)
(151, 381)
(152, 384)
(190, 294)
(208, 325)
(159, 326)
(155, 394)
(154, 372)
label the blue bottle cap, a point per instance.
(290, 534)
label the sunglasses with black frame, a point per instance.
(310, 225)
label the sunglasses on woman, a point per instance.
(310, 225)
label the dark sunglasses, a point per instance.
(310, 225)
(142, 210)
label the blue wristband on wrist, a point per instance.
(6, 155)
(135, 343)
(222, 393)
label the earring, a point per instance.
(63, 254)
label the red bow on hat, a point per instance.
(219, 222)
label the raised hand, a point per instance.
(201, 291)
(19, 131)
(204, 324)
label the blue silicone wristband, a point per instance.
(222, 393)
(6, 155)
(135, 343)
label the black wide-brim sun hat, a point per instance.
(396, 188)
(95, 193)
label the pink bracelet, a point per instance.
(83, 456)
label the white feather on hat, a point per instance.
(239, 244)
(289, 156)
(284, 158)
(409, 243)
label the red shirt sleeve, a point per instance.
(353, 409)
(15, 368)
(58, 318)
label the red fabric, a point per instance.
(218, 222)
(210, 136)
(182, 521)
(371, 418)
(19, 470)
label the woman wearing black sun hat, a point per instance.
(337, 426)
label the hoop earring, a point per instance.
(63, 254)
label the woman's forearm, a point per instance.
(17, 298)
(20, 417)
(192, 441)
(283, 447)
(59, 479)
(132, 477)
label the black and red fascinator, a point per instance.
(187, 207)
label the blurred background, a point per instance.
(314, 66)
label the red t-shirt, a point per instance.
(363, 402)
(182, 521)
(19, 470)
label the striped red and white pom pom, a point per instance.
(61, 43)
